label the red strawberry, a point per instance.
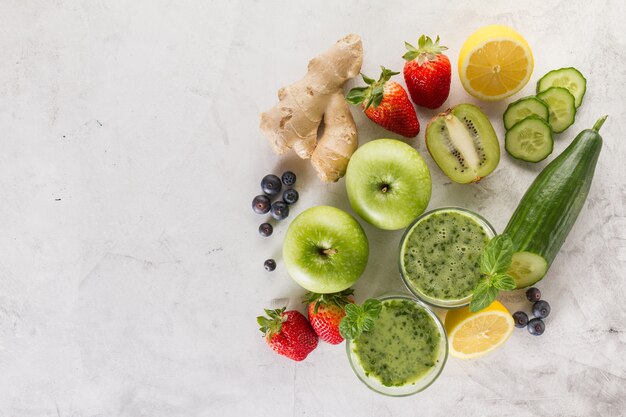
(325, 313)
(288, 333)
(386, 103)
(427, 73)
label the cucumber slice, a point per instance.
(561, 106)
(527, 268)
(529, 140)
(569, 78)
(523, 108)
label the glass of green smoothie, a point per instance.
(405, 351)
(440, 255)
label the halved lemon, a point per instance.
(495, 62)
(471, 335)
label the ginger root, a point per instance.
(293, 123)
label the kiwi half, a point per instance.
(463, 143)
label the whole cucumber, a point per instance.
(549, 209)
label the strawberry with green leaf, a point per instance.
(387, 104)
(360, 318)
(427, 72)
(326, 312)
(288, 333)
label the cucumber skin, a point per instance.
(548, 210)
(574, 112)
(521, 158)
(519, 101)
(539, 90)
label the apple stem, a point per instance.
(329, 251)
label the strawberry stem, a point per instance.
(427, 50)
(272, 324)
(372, 95)
(339, 299)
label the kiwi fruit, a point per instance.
(463, 143)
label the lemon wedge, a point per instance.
(471, 335)
(495, 62)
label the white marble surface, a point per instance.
(131, 268)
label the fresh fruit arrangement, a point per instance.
(271, 186)
(387, 104)
(325, 250)
(495, 62)
(326, 312)
(540, 310)
(388, 183)
(396, 344)
(474, 334)
(427, 72)
(288, 333)
(463, 143)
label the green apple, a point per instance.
(325, 249)
(388, 183)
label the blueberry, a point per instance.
(270, 184)
(541, 309)
(269, 265)
(261, 204)
(289, 178)
(521, 319)
(265, 229)
(279, 210)
(533, 294)
(536, 327)
(290, 196)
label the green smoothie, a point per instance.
(440, 255)
(403, 346)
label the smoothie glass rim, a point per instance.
(431, 301)
(419, 385)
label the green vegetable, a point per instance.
(561, 106)
(494, 262)
(529, 140)
(548, 210)
(523, 108)
(359, 319)
(569, 78)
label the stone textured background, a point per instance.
(130, 264)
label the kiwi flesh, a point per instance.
(463, 143)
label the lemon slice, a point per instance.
(495, 62)
(471, 335)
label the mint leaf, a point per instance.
(348, 328)
(367, 324)
(483, 298)
(372, 307)
(359, 318)
(494, 262)
(503, 282)
(497, 255)
(353, 310)
(482, 285)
